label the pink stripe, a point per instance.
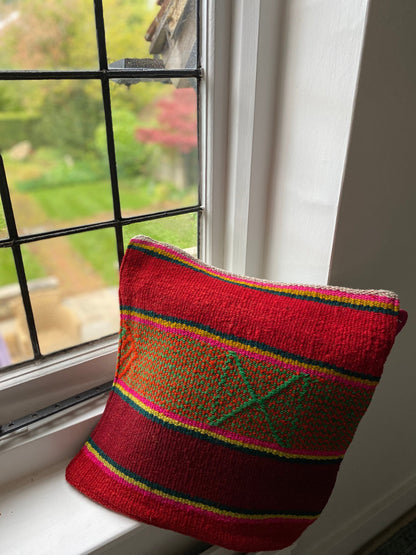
(255, 283)
(172, 502)
(256, 356)
(225, 433)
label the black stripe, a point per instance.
(256, 344)
(217, 441)
(185, 496)
(263, 288)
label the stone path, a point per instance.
(56, 256)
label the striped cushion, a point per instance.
(234, 399)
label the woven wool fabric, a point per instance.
(234, 399)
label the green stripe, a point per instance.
(304, 296)
(251, 343)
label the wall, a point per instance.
(347, 121)
(318, 77)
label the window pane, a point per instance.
(47, 34)
(181, 231)
(15, 345)
(155, 132)
(56, 165)
(142, 33)
(76, 301)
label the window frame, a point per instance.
(30, 386)
(235, 177)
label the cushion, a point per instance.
(234, 398)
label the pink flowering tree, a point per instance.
(176, 130)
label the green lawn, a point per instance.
(8, 271)
(86, 200)
(66, 202)
(99, 247)
(180, 230)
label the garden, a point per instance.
(54, 143)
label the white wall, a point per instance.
(347, 118)
(318, 80)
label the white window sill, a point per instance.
(43, 513)
(40, 513)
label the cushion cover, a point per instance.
(234, 398)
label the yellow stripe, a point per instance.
(198, 505)
(248, 348)
(271, 287)
(220, 437)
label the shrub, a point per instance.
(64, 173)
(133, 158)
(15, 127)
(67, 120)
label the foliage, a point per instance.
(8, 274)
(50, 35)
(63, 172)
(15, 126)
(177, 122)
(68, 120)
(133, 158)
(8, 101)
(60, 34)
(65, 178)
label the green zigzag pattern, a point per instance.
(256, 400)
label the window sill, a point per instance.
(43, 510)
(39, 510)
(70, 524)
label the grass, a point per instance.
(74, 202)
(180, 230)
(99, 247)
(3, 227)
(92, 200)
(8, 270)
(84, 201)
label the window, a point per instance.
(316, 121)
(99, 139)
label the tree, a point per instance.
(133, 158)
(177, 122)
(58, 35)
(176, 131)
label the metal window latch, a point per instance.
(139, 63)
